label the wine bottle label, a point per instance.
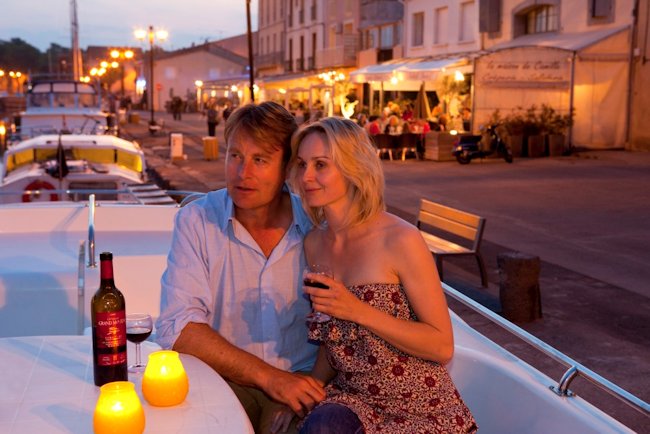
(111, 334)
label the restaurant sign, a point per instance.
(525, 67)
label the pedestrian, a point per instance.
(231, 293)
(383, 351)
(177, 107)
(212, 116)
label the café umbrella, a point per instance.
(421, 109)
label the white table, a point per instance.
(46, 386)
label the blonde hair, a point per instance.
(354, 155)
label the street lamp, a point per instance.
(124, 55)
(161, 35)
(199, 98)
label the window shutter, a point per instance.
(489, 16)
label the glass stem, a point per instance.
(137, 354)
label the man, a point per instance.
(213, 120)
(232, 291)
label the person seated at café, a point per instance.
(362, 120)
(419, 126)
(373, 127)
(407, 114)
(395, 125)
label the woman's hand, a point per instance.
(336, 301)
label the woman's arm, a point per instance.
(431, 336)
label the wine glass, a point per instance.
(318, 317)
(138, 329)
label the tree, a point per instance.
(18, 55)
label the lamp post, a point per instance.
(151, 35)
(199, 95)
(123, 56)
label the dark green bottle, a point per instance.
(108, 314)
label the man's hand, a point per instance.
(299, 392)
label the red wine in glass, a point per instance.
(325, 271)
(137, 334)
(138, 328)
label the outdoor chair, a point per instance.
(409, 143)
(385, 144)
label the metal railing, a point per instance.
(92, 263)
(575, 368)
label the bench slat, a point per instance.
(440, 246)
(447, 225)
(453, 221)
(449, 213)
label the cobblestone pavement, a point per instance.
(585, 216)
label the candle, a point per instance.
(118, 410)
(164, 382)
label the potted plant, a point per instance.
(557, 126)
(514, 126)
(534, 133)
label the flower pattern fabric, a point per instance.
(389, 390)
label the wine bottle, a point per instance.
(108, 313)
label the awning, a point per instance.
(563, 41)
(380, 72)
(429, 70)
(413, 69)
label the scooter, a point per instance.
(471, 146)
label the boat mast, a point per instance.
(76, 51)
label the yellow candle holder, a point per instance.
(118, 410)
(164, 382)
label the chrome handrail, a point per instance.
(575, 368)
(81, 287)
(91, 232)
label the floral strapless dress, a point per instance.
(389, 390)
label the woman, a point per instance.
(383, 351)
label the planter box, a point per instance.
(438, 146)
(556, 145)
(536, 146)
(516, 144)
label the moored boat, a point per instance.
(63, 106)
(46, 282)
(47, 166)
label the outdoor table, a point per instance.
(46, 385)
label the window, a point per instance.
(371, 38)
(601, 8)
(601, 11)
(386, 37)
(440, 26)
(418, 29)
(467, 22)
(541, 19)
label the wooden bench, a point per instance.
(456, 222)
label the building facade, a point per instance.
(572, 56)
(210, 65)
(639, 133)
(271, 37)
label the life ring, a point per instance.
(38, 185)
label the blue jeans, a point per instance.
(332, 419)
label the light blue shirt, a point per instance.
(217, 274)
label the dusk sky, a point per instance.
(111, 23)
